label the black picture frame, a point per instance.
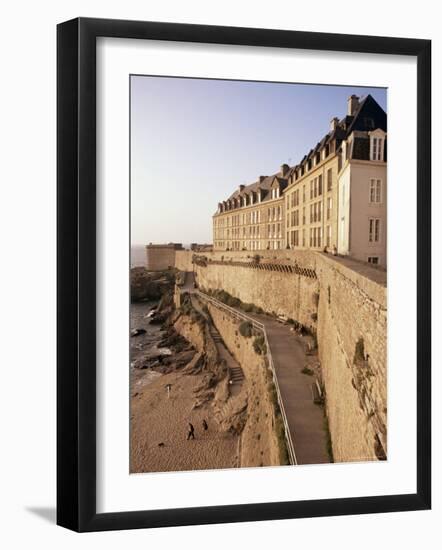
(76, 273)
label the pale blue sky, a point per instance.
(194, 141)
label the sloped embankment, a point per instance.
(262, 442)
(214, 390)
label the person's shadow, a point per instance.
(46, 513)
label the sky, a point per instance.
(194, 141)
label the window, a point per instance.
(377, 148)
(374, 230)
(329, 179)
(320, 185)
(375, 190)
(373, 260)
(303, 193)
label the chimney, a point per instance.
(241, 188)
(352, 104)
(284, 169)
(262, 178)
(334, 123)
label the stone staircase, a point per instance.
(236, 373)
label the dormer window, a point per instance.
(275, 193)
(376, 149)
(377, 140)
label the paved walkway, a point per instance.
(304, 417)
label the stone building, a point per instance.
(362, 181)
(252, 218)
(334, 199)
(160, 257)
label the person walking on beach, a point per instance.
(205, 425)
(191, 432)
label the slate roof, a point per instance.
(369, 116)
(265, 186)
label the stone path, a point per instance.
(305, 418)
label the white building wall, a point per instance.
(361, 210)
(344, 182)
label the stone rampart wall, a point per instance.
(347, 309)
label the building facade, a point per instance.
(335, 199)
(252, 218)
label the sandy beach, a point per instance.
(158, 419)
(159, 423)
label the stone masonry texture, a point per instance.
(345, 305)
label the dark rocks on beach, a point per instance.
(175, 341)
(146, 286)
(137, 332)
(148, 361)
(158, 318)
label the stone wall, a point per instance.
(285, 294)
(183, 260)
(160, 257)
(346, 305)
(353, 309)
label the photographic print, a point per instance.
(258, 274)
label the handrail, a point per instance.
(260, 326)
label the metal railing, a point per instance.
(259, 326)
